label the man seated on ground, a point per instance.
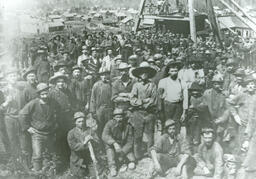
(118, 138)
(81, 163)
(171, 150)
(210, 155)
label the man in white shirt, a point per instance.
(173, 93)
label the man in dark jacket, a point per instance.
(118, 138)
(38, 117)
(78, 138)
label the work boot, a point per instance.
(113, 171)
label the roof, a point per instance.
(148, 21)
(121, 14)
(54, 16)
(125, 20)
(231, 22)
(55, 24)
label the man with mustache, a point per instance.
(118, 138)
(174, 93)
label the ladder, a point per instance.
(239, 12)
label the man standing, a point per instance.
(174, 93)
(64, 101)
(38, 117)
(143, 100)
(101, 104)
(81, 164)
(10, 108)
(80, 89)
(171, 150)
(118, 138)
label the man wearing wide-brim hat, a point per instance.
(143, 100)
(65, 102)
(122, 87)
(38, 118)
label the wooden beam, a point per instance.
(248, 23)
(137, 23)
(192, 21)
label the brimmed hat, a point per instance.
(79, 115)
(195, 87)
(118, 111)
(56, 76)
(239, 72)
(118, 57)
(249, 79)
(28, 71)
(41, 87)
(86, 58)
(169, 123)
(144, 68)
(103, 71)
(133, 57)
(76, 67)
(231, 61)
(59, 65)
(174, 64)
(123, 66)
(158, 56)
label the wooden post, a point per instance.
(192, 21)
(137, 23)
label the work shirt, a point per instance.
(173, 148)
(175, 91)
(101, 96)
(28, 94)
(211, 158)
(114, 133)
(141, 92)
(41, 117)
(118, 87)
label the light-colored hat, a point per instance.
(41, 87)
(56, 76)
(144, 68)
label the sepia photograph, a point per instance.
(137, 89)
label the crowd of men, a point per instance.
(128, 96)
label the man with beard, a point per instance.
(64, 100)
(143, 101)
(171, 150)
(122, 87)
(209, 156)
(174, 94)
(80, 88)
(118, 138)
(38, 117)
(100, 102)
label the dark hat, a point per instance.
(76, 67)
(169, 122)
(56, 76)
(103, 71)
(79, 115)
(85, 59)
(41, 87)
(60, 64)
(28, 71)
(231, 61)
(195, 87)
(144, 68)
(174, 64)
